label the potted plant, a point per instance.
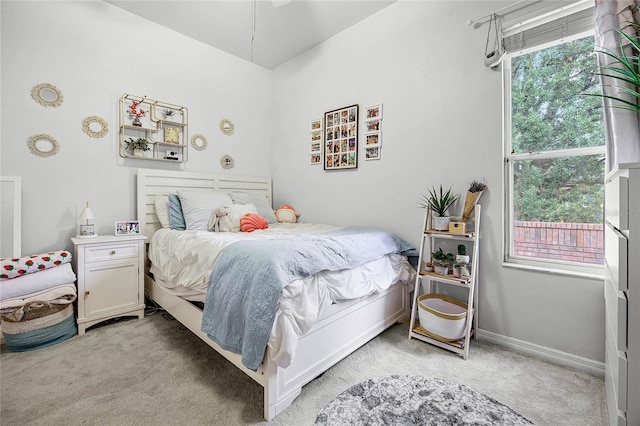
(168, 113)
(624, 69)
(439, 202)
(135, 113)
(137, 146)
(462, 256)
(441, 261)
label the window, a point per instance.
(554, 152)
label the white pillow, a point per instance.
(227, 218)
(197, 206)
(259, 200)
(162, 210)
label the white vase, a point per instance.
(441, 270)
(440, 223)
(138, 153)
(462, 258)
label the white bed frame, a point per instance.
(339, 332)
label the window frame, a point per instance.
(523, 262)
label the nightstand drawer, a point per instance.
(99, 253)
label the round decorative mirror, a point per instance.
(47, 95)
(227, 162)
(95, 126)
(226, 126)
(43, 145)
(199, 142)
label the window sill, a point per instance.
(592, 275)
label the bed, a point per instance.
(340, 328)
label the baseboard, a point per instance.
(553, 355)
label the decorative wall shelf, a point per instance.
(163, 125)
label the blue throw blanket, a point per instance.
(248, 277)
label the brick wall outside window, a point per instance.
(575, 242)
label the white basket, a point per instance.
(442, 317)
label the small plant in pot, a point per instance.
(439, 202)
(137, 146)
(168, 113)
(462, 256)
(442, 261)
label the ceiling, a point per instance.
(283, 29)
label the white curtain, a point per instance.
(622, 131)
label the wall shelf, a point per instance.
(167, 138)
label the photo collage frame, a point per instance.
(315, 136)
(341, 138)
(373, 131)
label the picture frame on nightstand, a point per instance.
(131, 227)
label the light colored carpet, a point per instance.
(155, 372)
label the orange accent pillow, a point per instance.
(252, 221)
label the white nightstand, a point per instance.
(110, 271)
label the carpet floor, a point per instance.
(155, 372)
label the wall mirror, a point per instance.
(43, 145)
(47, 95)
(226, 126)
(198, 142)
(95, 126)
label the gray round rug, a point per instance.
(415, 400)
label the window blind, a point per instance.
(565, 22)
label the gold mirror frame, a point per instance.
(47, 95)
(32, 143)
(227, 162)
(86, 126)
(199, 142)
(226, 126)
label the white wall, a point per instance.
(441, 125)
(94, 53)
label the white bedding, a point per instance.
(182, 262)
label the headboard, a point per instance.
(152, 182)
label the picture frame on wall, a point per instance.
(372, 139)
(373, 125)
(315, 125)
(341, 138)
(315, 142)
(127, 227)
(373, 112)
(372, 153)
